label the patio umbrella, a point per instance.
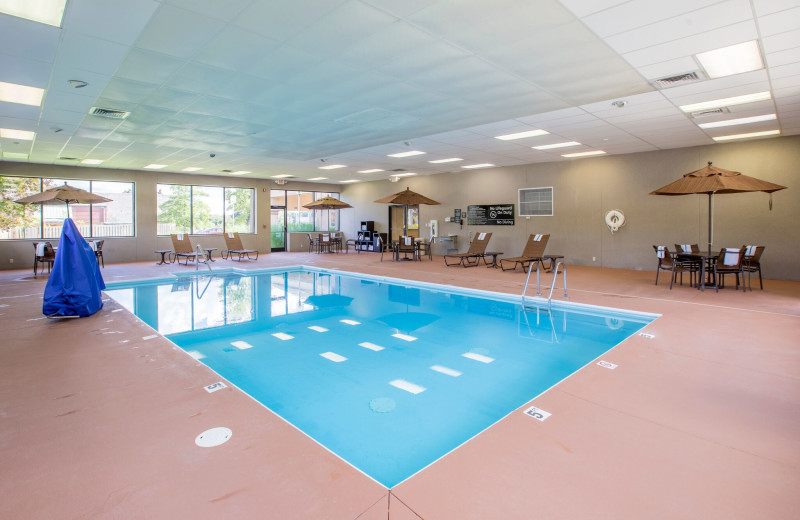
(327, 203)
(407, 198)
(711, 180)
(63, 194)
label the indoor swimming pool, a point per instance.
(388, 375)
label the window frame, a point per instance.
(192, 232)
(525, 205)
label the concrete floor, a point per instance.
(701, 421)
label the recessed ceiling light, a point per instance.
(451, 159)
(192, 169)
(521, 135)
(741, 121)
(348, 181)
(734, 59)
(76, 83)
(91, 161)
(406, 154)
(155, 166)
(23, 135)
(407, 174)
(747, 136)
(14, 155)
(556, 145)
(374, 170)
(49, 12)
(24, 95)
(727, 102)
(240, 172)
(332, 166)
(281, 176)
(482, 165)
(318, 179)
(584, 154)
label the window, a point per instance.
(204, 210)
(109, 219)
(536, 202)
(299, 218)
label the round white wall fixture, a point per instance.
(213, 437)
(615, 219)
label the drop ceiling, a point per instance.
(277, 87)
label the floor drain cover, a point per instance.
(382, 404)
(213, 437)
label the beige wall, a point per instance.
(141, 246)
(585, 189)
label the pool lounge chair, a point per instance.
(532, 253)
(234, 244)
(476, 250)
(183, 249)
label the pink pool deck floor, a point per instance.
(98, 416)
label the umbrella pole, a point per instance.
(710, 221)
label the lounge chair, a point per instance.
(532, 253)
(234, 244)
(476, 250)
(729, 261)
(183, 249)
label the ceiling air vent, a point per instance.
(712, 112)
(398, 170)
(68, 159)
(680, 79)
(109, 113)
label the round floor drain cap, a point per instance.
(213, 437)
(382, 404)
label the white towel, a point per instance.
(93, 245)
(661, 252)
(408, 241)
(40, 249)
(481, 236)
(326, 238)
(750, 251)
(731, 257)
(230, 235)
(180, 237)
(537, 238)
(687, 248)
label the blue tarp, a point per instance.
(75, 282)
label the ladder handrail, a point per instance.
(199, 251)
(538, 282)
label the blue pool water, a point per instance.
(389, 377)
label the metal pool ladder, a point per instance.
(200, 252)
(559, 265)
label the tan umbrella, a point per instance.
(407, 198)
(327, 203)
(63, 194)
(711, 180)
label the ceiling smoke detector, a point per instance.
(619, 104)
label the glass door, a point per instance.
(277, 223)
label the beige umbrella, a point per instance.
(711, 180)
(407, 198)
(63, 194)
(327, 203)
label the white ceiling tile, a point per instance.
(21, 71)
(639, 13)
(178, 32)
(41, 40)
(765, 7)
(583, 8)
(91, 54)
(785, 57)
(782, 41)
(401, 8)
(118, 21)
(282, 20)
(212, 8)
(779, 22)
(695, 44)
(689, 24)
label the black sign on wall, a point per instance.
(490, 215)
